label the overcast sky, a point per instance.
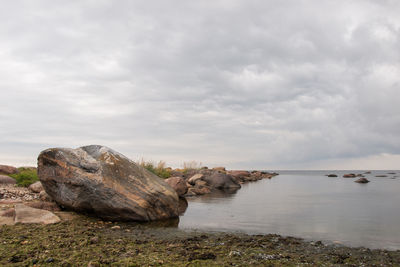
(244, 84)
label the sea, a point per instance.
(308, 205)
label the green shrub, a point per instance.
(25, 176)
(160, 170)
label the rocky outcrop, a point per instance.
(25, 214)
(4, 179)
(5, 169)
(101, 181)
(362, 181)
(36, 187)
(178, 184)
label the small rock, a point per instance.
(192, 180)
(116, 227)
(220, 169)
(362, 181)
(331, 175)
(94, 240)
(44, 196)
(178, 184)
(350, 175)
(36, 187)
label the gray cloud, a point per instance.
(247, 84)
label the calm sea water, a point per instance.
(309, 205)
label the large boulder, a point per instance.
(5, 169)
(4, 179)
(178, 184)
(219, 180)
(101, 181)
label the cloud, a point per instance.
(247, 84)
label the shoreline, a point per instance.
(88, 241)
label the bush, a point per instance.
(25, 176)
(158, 169)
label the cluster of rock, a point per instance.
(100, 181)
(361, 180)
(202, 181)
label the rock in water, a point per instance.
(99, 180)
(362, 181)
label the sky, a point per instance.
(272, 84)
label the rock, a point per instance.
(240, 176)
(192, 180)
(331, 175)
(7, 180)
(5, 169)
(101, 181)
(44, 196)
(380, 175)
(25, 214)
(350, 175)
(221, 180)
(8, 213)
(362, 181)
(36, 187)
(44, 205)
(220, 169)
(178, 184)
(368, 172)
(183, 204)
(193, 191)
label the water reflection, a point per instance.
(308, 205)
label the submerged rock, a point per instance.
(331, 175)
(362, 181)
(99, 180)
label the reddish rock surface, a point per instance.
(178, 184)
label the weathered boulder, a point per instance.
(362, 181)
(36, 187)
(178, 184)
(192, 180)
(4, 179)
(5, 169)
(25, 214)
(220, 180)
(101, 181)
